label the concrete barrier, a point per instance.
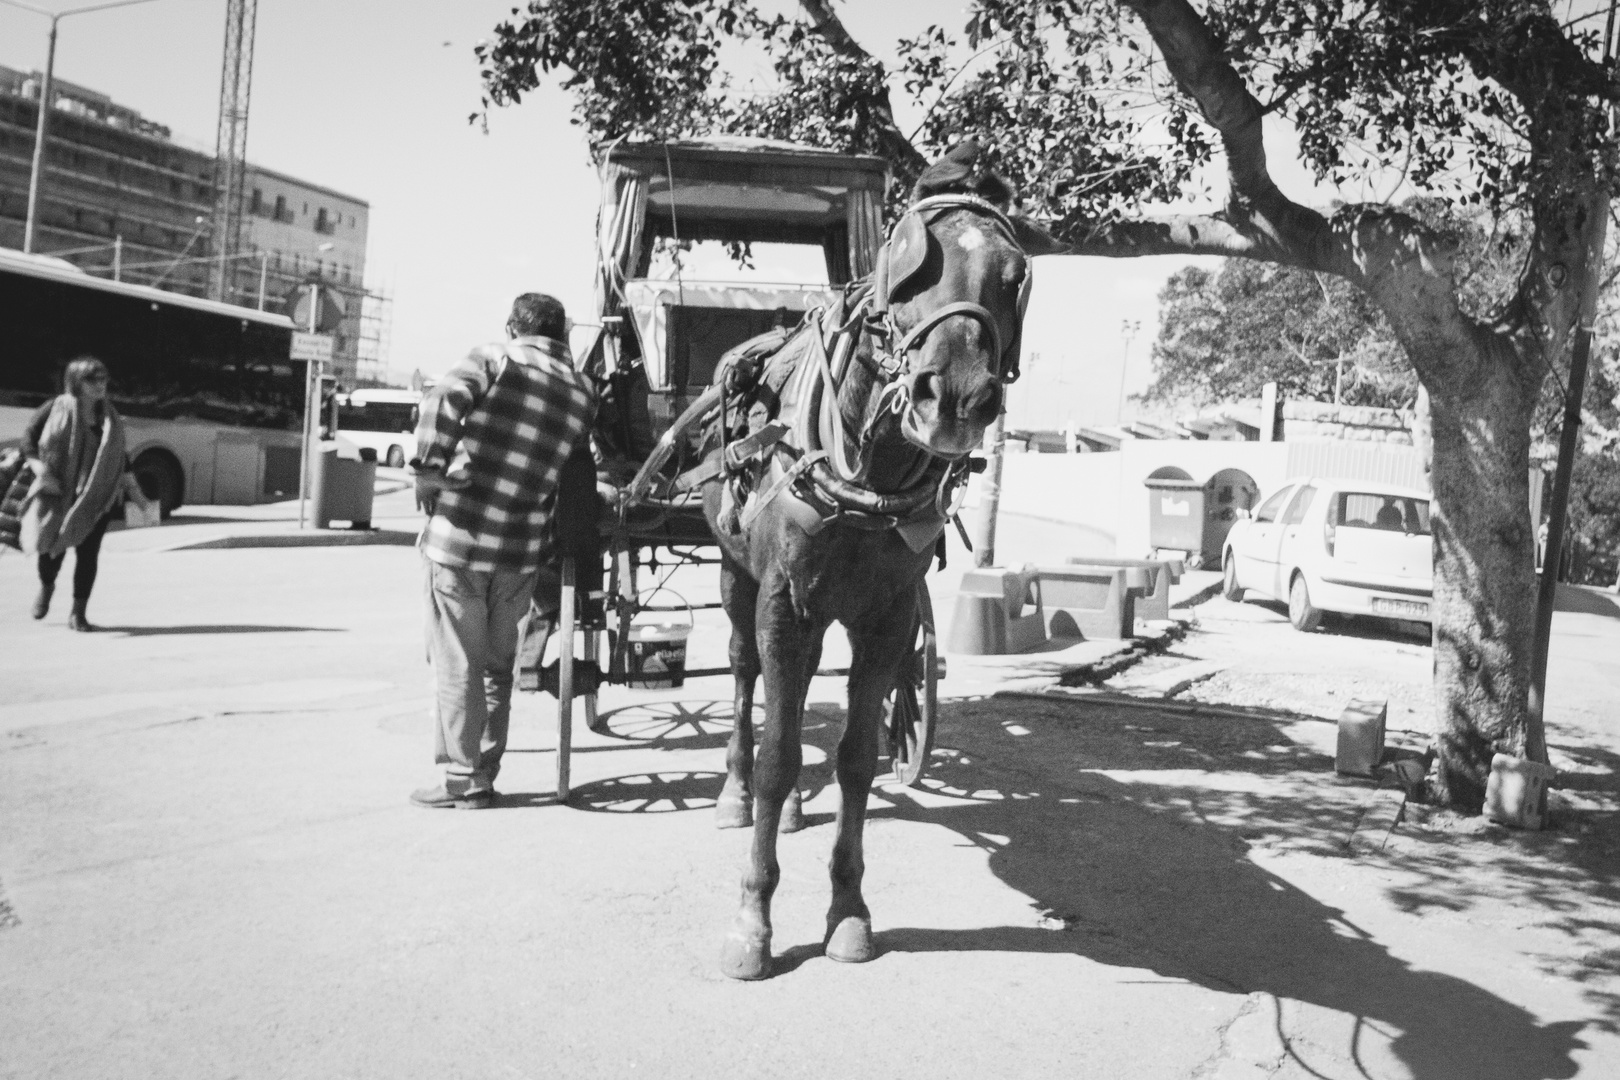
(1154, 601)
(993, 615)
(1088, 601)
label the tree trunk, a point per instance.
(1484, 572)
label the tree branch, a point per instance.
(897, 147)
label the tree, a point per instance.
(1224, 334)
(1095, 108)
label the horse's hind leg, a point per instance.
(874, 666)
(738, 595)
(785, 638)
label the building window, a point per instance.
(323, 224)
(257, 206)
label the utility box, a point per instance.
(1361, 737)
(1176, 515)
(342, 488)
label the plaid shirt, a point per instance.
(516, 423)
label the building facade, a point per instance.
(120, 197)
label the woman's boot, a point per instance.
(42, 602)
(77, 620)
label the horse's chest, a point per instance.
(853, 575)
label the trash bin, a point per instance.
(1176, 515)
(341, 488)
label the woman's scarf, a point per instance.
(63, 505)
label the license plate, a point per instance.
(1406, 609)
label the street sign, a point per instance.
(311, 347)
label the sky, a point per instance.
(371, 97)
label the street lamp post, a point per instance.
(42, 126)
(1128, 330)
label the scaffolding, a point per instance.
(376, 326)
(230, 141)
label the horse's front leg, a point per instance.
(739, 593)
(793, 809)
(876, 655)
(784, 638)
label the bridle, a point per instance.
(903, 254)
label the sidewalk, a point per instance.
(190, 528)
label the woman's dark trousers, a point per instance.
(85, 560)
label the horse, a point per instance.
(832, 506)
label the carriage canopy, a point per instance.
(735, 189)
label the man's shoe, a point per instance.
(42, 602)
(77, 620)
(438, 798)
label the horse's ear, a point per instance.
(964, 170)
(1035, 240)
(908, 250)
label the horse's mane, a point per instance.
(964, 170)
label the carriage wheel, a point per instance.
(565, 677)
(913, 706)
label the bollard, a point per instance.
(1516, 793)
(1361, 737)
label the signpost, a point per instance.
(315, 349)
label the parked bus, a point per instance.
(383, 419)
(214, 406)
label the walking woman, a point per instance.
(75, 443)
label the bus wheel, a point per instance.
(160, 477)
(396, 458)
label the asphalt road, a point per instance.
(209, 869)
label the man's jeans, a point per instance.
(472, 639)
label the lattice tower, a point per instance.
(230, 142)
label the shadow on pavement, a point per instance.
(1573, 598)
(158, 631)
(1131, 828)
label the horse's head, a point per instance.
(955, 278)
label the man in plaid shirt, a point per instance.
(490, 445)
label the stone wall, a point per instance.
(1317, 421)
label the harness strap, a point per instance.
(786, 480)
(914, 336)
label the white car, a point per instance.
(1335, 545)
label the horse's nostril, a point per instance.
(983, 404)
(925, 387)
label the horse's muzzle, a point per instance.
(949, 420)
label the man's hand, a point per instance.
(430, 480)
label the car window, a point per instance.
(1297, 508)
(1385, 513)
(1269, 509)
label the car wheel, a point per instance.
(1229, 583)
(1300, 612)
(396, 458)
(160, 477)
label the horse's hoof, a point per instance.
(851, 941)
(745, 957)
(792, 814)
(733, 813)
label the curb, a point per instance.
(1100, 671)
(1208, 592)
(317, 538)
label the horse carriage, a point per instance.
(659, 351)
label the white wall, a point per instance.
(1057, 505)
